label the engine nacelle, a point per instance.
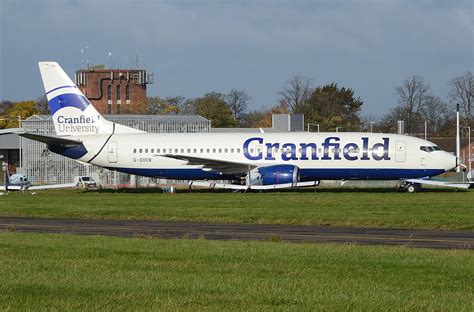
(271, 175)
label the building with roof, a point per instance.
(9, 149)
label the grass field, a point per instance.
(66, 272)
(428, 210)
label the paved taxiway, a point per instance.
(291, 233)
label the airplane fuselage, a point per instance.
(319, 156)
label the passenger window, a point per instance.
(232, 150)
(213, 150)
(140, 150)
(189, 150)
(158, 150)
(134, 150)
(238, 150)
(207, 150)
(176, 150)
(220, 150)
(202, 150)
(146, 150)
(225, 150)
(152, 150)
(195, 150)
(182, 150)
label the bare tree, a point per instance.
(368, 122)
(389, 121)
(412, 96)
(237, 100)
(42, 105)
(175, 105)
(462, 93)
(434, 112)
(295, 92)
(154, 105)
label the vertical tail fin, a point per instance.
(72, 112)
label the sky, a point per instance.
(195, 47)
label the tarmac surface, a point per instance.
(260, 232)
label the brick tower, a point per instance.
(115, 91)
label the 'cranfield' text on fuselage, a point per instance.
(331, 150)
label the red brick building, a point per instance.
(115, 91)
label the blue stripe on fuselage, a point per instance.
(176, 174)
(366, 174)
(305, 174)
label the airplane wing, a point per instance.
(211, 184)
(38, 187)
(50, 139)
(463, 185)
(51, 186)
(226, 167)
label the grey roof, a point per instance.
(10, 130)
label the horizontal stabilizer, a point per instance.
(51, 140)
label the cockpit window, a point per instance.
(430, 149)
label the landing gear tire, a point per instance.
(413, 187)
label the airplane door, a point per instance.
(400, 151)
(112, 152)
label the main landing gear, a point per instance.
(410, 187)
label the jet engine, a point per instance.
(272, 175)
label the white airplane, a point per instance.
(20, 182)
(252, 161)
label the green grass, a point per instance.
(429, 210)
(66, 272)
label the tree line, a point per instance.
(330, 107)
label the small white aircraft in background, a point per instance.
(252, 161)
(20, 182)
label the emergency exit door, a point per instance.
(400, 151)
(112, 152)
